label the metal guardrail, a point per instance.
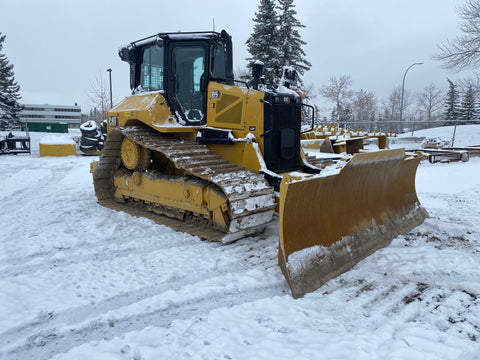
(401, 127)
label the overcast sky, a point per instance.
(58, 47)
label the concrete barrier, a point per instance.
(55, 145)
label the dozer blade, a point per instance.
(330, 223)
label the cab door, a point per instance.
(187, 81)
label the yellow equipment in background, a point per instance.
(199, 151)
(57, 145)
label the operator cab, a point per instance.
(180, 66)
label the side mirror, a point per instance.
(123, 53)
(127, 54)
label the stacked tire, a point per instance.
(93, 136)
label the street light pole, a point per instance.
(403, 88)
(111, 100)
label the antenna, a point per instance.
(213, 24)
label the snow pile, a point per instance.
(465, 135)
(435, 143)
(80, 281)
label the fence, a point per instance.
(401, 127)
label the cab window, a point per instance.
(151, 69)
(218, 62)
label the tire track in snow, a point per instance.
(53, 332)
(77, 254)
(121, 232)
(78, 314)
(57, 333)
(45, 186)
(184, 294)
(37, 180)
(459, 228)
(449, 300)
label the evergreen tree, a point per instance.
(451, 108)
(263, 43)
(468, 108)
(9, 89)
(290, 42)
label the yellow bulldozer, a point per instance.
(197, 150)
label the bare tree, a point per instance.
(364, 105)
(464, 50)
(391, 105)
(308, 96)
(430, 101)
(338, 91)
(99, 96)
(310, 93)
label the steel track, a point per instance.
(250, 198)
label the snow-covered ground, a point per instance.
(460, 136)
(79, 281)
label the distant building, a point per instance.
(50, 118)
